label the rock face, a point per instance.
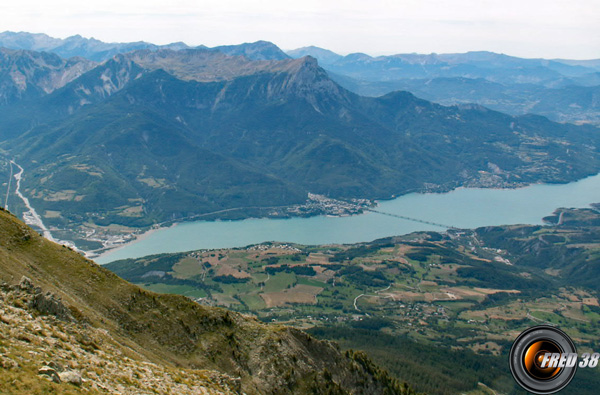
(28, 74)
(86, 327)
(26, 285)
(48, 303)
(81, 356)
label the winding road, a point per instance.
(378, 296)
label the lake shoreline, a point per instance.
(462, 207)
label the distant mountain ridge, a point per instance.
(77, 45)
(98, 51)
(563, 90)
(440, 65)
(574, 103)
(259, 50)
(324, 56)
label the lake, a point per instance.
(462, 208)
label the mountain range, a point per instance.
(158, 135)
(560, 89)
(479, 64)
(74, 46)
(99, 51)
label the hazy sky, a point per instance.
(526, 28)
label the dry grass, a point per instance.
(301, 294)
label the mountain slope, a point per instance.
(28, 74)
(90, 88)
(174, 331)
(149, 137)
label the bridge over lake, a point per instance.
(404, 217)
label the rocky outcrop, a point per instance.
(50, 374)
(48, 303)
(45, 354)
(71, 377)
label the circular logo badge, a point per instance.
(538, 360)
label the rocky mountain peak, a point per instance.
(306, 78)
(259, 50)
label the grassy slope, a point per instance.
(174, 330)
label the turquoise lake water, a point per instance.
(462, 208)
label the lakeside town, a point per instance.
(112, 237)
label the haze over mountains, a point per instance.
(91, 48)
(96, 50)
(563, 90)
(159, 134)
